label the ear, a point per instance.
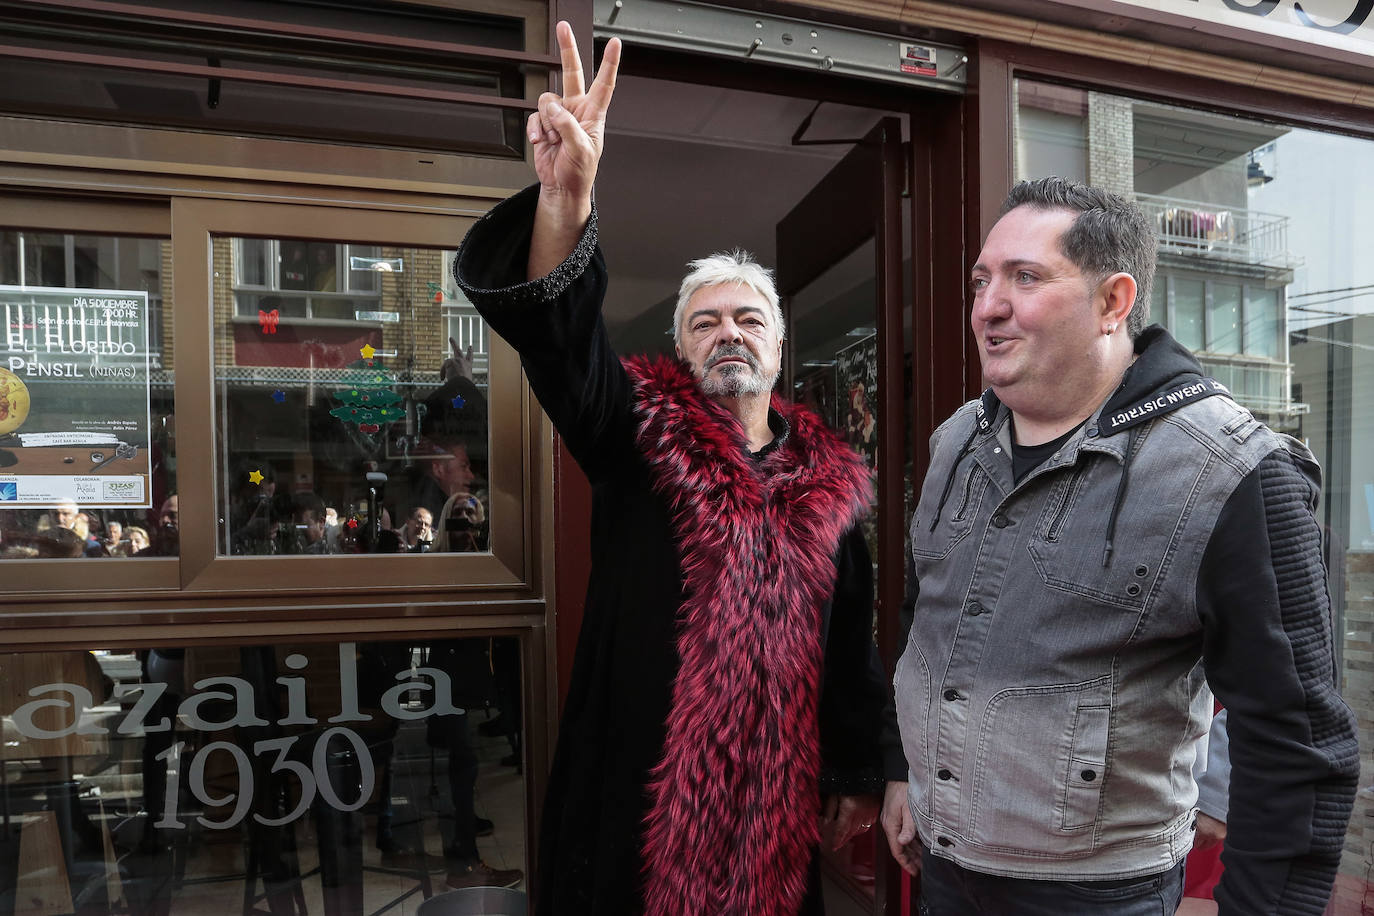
(678, 350)
(1117, 298)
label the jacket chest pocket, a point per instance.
(956, 518)
(1070, 545)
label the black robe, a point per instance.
(613, 726)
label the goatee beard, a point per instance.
(735, 381)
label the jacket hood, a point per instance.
(1164, 377)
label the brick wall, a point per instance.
(222, 295)
(165, 281)
(1111, 143)
(409, 295)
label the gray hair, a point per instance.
(737, 267)
(1110, 235)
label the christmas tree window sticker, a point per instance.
(370, 402)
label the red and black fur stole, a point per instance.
(734, 804)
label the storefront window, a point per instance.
(323, 778)
(1270, 253)
(352, 396)
(87, 426)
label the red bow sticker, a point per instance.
(268, 321)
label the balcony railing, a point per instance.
(1211, 230)
(1261, 385)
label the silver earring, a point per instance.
(1111, 329)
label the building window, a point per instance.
(1186, 314)
(310, 280)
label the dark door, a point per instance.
(839, 260)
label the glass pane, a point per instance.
(1159, 301)
(1051, 130)
(253, 262)
(349, 424)
(361, 280)
(1263, 321)
(1234, 203)
(1223, 319)
(308, 778)
(87, 427)
(1187, 326)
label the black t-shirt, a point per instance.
(1026, 458)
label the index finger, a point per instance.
(603, 87)
(572, 61)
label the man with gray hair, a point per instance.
(725, 676)
(1100, 537)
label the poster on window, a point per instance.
(74, 387)
(856, 397)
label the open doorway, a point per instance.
(692, 168)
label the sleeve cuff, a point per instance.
(867, 781)
(490, 266)
(1212, 804)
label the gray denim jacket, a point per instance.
(1051, 693)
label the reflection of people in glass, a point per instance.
(468, 664)
(64, 514)
(418, 532)
(167, 538)
(322, 268)
(450, 458)
(254, 514)
(295, 266)
(307, 513)
(136, 540)
(462, 524)
(726, 657)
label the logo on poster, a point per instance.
(122, 490)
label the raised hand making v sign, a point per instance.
(726, 648)
(567, 133)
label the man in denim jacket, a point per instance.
(1100, 536)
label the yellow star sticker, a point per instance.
(368, 351)
(256, 477)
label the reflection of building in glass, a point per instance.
(304, 327)
(93, 262)
(1263, 272)
(1224, 268)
